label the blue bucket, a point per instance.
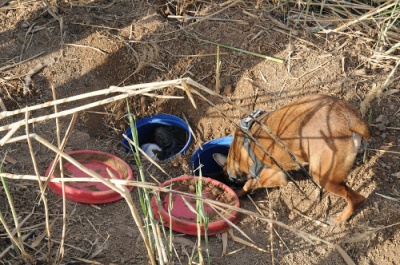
(147, 126)
(205, 156)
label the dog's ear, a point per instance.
(220, 159)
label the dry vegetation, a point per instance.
(69, 69)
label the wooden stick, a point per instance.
(21, 62)
(34, 70)
(2, 106)
(384, 151)
(60, 253)
(110, 90)
(344, 255)
(85, 46)
(41, 186)
(9, 135)
(62, 145)
(77, 109)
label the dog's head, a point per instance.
(222, 161)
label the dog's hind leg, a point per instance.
(330, 170)
(354, 200)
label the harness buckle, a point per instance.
(248, 121)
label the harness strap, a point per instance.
(258, 166)
(246, 123)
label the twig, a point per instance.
(393, 48)
(2, 106)
(243, 22)
(226, 5)
(60, 253)
(35, 243)
(118, 182)
(136, 217)
(53, 11)
(384, 151)
(9, 134)
(4, 3)
(238, 50)
(224, 237)
(377, 91)
(271, 227)
(34, 70)
(241, 241)
(21, 62)
(277, 22)
(293, 36)
(41, 186)
(71, 246)
(217, 73)
(388, 197)
(62, 146)
(129, 91)
(134, 90)
(95, 26)
(390, 128)
(311, 219)
(314, 69)
(86, 46)
(190, 128)
(365, 16)
(198, 55)
(5, 251)
(344, 255)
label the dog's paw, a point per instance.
(330, 220)
(335, 219)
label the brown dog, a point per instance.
(319, 130)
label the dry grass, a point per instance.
(375, 26)
(191, 88)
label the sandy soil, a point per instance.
(96, 44)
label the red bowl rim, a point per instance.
(190, 228)
(92, 197)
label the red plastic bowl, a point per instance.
(183, 219)
(91, 192)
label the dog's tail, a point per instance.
(360, 126)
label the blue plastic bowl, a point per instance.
(146, 127)
(205, 156)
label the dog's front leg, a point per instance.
(268, 178)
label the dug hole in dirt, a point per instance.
(100, 44)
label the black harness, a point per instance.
(246, 123)
(258, 166)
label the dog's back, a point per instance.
(321, 131)
(307, 127)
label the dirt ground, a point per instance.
(97, 44)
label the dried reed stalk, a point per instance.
(41, 187)
(118, 182)
(60, 253)
(187, 85)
